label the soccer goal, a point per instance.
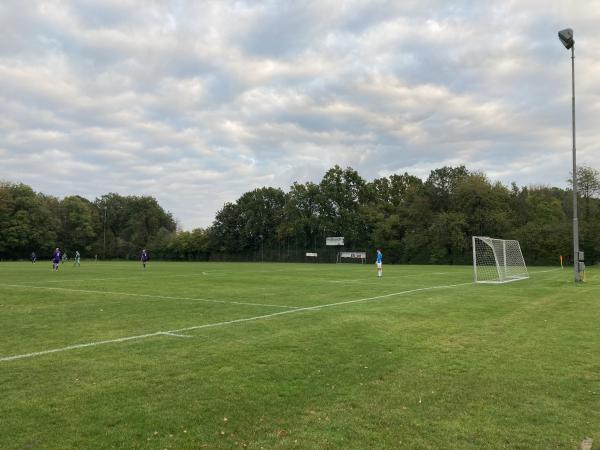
(497, 260)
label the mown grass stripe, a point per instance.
(224, 323)
(165, 297)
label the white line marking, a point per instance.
(73, 347)
(83, 280)
(129, 294)
(168, 333)
(149, 275)
(141, 278)
(220, 324)
(373, 278)
(346, 281)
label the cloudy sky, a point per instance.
(197, 102)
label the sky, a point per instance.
(197, 102)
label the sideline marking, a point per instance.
(220, 324)
(146, 295)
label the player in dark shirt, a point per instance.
(55, 259)
(144, 258)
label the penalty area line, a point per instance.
(177, 332)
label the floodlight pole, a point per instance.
(577, 274)
(566, 37)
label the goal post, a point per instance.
(497, 260)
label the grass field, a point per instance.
(277, 356)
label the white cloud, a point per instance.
(197, 102)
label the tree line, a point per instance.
(413, 220)
(112, 226)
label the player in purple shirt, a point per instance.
(144, 258)
(55, 259)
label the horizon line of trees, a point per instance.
(413, 221)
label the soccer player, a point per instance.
(33, 257)
(144, 258)
(77, 259)
(55, 260)
(65, 258)
(379, 262)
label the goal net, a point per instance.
(497, 260)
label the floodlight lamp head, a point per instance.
(566, 37)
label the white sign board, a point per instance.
(312, 255)
(334, 240)
(357, 255)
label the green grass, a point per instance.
(471, 366)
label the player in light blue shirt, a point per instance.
(379, 262)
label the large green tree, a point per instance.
(302, 215)
(129, 223)
(26, 222)
(250, 223)
(588, 187)
(343, 192)
(79, 221)
(411, 220)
